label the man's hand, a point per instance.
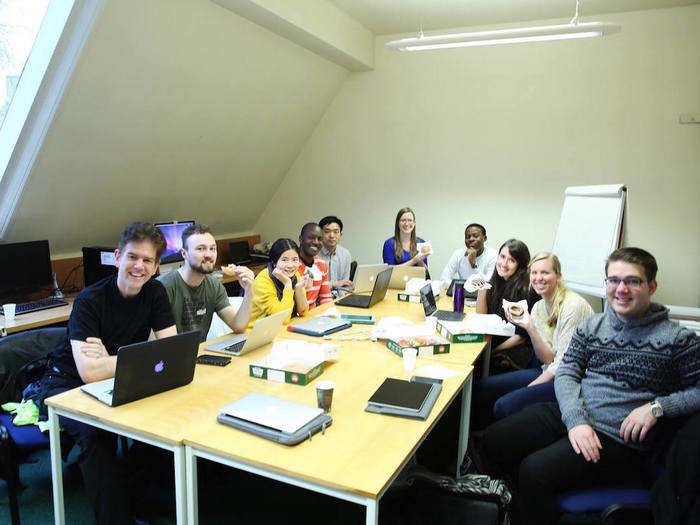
(471, 255)
(637, 424)
(245, 277)
(343, 283)
(585, 441)
(93, 347)
(282, 277)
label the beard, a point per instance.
(199, 268)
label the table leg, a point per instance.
(372, 517)
(487, 360)
(192, 496)
(56, 468)
(180, 489)
(464, 422)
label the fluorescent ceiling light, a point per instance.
(505, 36)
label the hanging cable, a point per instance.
(574, 20)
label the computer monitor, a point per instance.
(26, 268)
(172, 231)
(98, 263)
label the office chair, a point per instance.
(353, 269)
(629, 502)
(17, 443)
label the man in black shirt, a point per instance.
(113, 312)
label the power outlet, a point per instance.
(689, 118)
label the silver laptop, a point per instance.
(148, 368)
(400, 275)
(271, 411)
(365, 275)
(264, 331)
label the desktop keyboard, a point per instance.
(41, 304)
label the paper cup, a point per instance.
(324, 395)
(409, 358)
(8, 311)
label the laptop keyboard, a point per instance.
(444, 315)
(354, 300)
(235, 347)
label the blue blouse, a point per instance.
(388, 253)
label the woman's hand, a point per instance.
(306, 281)
(544, 377)
(519, 322)
(418, 259)
(282, 277)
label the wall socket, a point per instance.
(689, 118)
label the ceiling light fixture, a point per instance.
(574, 29)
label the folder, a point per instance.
(397, 397)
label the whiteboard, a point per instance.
(589, 229)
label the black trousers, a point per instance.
(104, 474)
(533, 447)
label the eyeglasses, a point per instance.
(406, 221)
(633, 283)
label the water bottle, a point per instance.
(458, 298)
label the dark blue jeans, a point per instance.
(492, 388)
(518, 399)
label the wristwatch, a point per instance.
(656, 409)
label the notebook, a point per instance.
(412, 399)
(271, 412)
(148, 368)
(264, 331)
(401, 274)
(381, 284)
(398, 393)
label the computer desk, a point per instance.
(38, 319)
(61, 314)
(183, 421)
(356, 459)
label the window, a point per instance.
(19, 25)
(34, 34)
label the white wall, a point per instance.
(177, 109)
(495, 134)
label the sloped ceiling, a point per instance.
(387, 17)
(177, 109)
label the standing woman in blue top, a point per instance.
(401, 249)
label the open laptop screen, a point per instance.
(427, 299)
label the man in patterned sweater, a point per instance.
(310, 243)
(626, 372)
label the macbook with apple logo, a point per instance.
(148, 368)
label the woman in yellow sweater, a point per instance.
(279, 286)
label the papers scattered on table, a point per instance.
(436, 372)
(398, 327)
(480, 324)
(413, 286)
(331, 312)
(295, 349)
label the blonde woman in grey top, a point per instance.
(550, 326)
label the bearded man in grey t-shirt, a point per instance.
(195, 294)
